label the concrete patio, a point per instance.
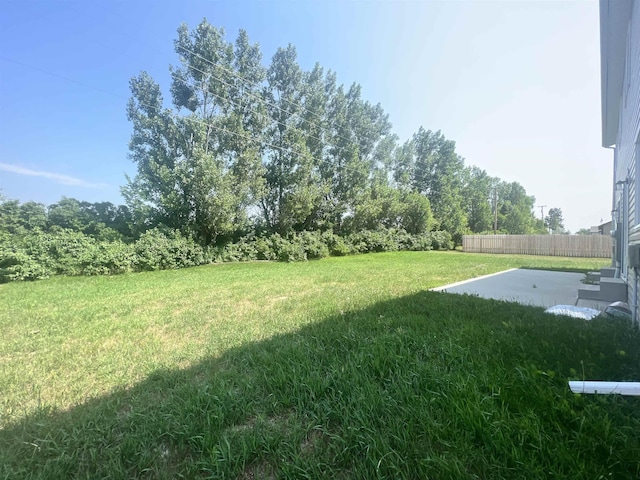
(529, 287)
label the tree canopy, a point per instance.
(281, 149)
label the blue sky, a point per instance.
(515, 84)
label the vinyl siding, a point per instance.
(630, 103)
(628, 137)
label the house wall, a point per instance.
(627, 195)
(629, 125)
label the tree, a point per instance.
(584, 231)
(69, 213)
(437, 174)
(291, 184)
(515, 211)
(200, 171)
(388, 207)
(478, 198)
(554, 221)
(358, 140)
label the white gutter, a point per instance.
(605, 388)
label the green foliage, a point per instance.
(199, 172)
(63, 252)
(389, 208)
(301, 166)
(109, 258)
(313, 244)
(288, 249)
(337, 245)
(515, 209)
(67, 252)
(437, 171)
(479, 196)
(20, 219)
(157, 250)
(554, 221)
(441, 240)
(16, 264)
(315, 370)
(369, 241)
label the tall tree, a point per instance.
(554, 221)
(515, 211)
(292, 188)
(478, 196)
(359, 134)
(437, 173)
(199, 171)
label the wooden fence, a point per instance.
(589, 246)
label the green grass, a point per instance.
(344, 367)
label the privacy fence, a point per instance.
(590, 246)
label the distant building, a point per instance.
(603, 229)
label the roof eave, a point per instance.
(614, 21)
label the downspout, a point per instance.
(613, 206)
(634, 306)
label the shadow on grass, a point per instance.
(431, 385)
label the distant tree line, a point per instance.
(246, 153)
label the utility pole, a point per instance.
(542, 207)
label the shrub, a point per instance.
(368, 241)
(109, 259)
(242, 251)
(16, 264)
(68, 252)
(155, 250)
(313, 244)
(441, 240)
(61, 252)
(421, 243)
(264, 249)
(288, 250)
(338, 246)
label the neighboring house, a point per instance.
(620, 70)
(602, 229)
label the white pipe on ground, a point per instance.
(605, 388)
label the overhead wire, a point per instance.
(244, 79)
(154, 107)
(220, 97)
(221, 129)
(291, 102)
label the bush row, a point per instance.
(68, 252)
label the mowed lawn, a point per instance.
(339, 368)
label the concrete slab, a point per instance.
(529, 287)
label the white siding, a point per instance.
(626, 168)
(630, 102)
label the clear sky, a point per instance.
(515, 84)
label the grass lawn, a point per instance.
(339, 368)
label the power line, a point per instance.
(243, 106)
(172, 114)
(86, 85)
(260, 99)
(241, 77)
(246, 81)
